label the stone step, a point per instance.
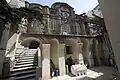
(23, 68)
(31, 55)
(26, 60)
(23, 72)
(23, 63)
(26, 65)
(26, 53)
(25, 57)
(24, 77)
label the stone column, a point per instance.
(39, 68)
(75, 51)
(5, 36)
(91, 51)
(62, 59)
(96, 52)
(60, 25)
(46, 8)
(83, 28)
(3, 44)
(72, 21)
(80, 58)
(54, 52)
(46, 62)
(101, 52)
(86, 52)
(2, 56)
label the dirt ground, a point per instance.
(103, 73)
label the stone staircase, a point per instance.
(25, 66)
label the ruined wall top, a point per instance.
(58, 6)
(59, 18)
(63, 9)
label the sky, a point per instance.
(80, 6)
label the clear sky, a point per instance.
(80, 6)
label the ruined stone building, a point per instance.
(96, 11)
(60, 34)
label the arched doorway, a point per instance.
(34, 45)
(31, 43)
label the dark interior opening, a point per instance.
(34, 45)
(68, 49)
